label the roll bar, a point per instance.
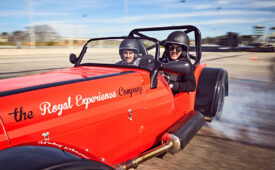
(188, 29)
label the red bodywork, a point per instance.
(92, 111)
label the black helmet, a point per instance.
(178, 37)
(129, 44)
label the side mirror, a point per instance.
(73, 58)
(176, 67)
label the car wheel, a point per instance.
(220, 102)
(80, 165)
(212, 88)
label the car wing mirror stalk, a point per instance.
(176, 67)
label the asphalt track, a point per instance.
(244, 138)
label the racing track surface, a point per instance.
(243, 139)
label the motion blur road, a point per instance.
(244, 138)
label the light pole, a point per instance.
(31, 27)
(126, 14)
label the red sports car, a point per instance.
(100, 114)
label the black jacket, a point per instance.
(180, 83)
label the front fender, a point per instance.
(40, 157)
(33, 157)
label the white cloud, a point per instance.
(247, 4)
(204, 6)
(120, 25)
(215, 22)
(232, 21)
(153, 2)
(95, 26)
(224, 2)
(139, 18)
(9, 13)
(67, 29)
(263, 4)
(72, 5)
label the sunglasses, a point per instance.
(171, 48)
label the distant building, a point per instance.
(229, 40)
(72, 41)
(271, 36)
(18, 36)
(246, 40)
(258, 30)
(3, 38)
(44, 33)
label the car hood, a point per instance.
(75, 73)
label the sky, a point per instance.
(98, 18)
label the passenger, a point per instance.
(177, 49)
(128, 51)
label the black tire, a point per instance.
(220, 103)
(80, 165)
(218, 100)
(212, 88)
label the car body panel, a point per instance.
(55, 76)
(29, 114)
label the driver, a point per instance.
(128, 51)
(176, 49)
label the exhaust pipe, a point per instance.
(176, 143)
(177, 138)
(170, 143)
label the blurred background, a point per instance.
(224, 24)
(37, 36)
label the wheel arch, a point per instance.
(40, 157)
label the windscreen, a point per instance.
(132, 52)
